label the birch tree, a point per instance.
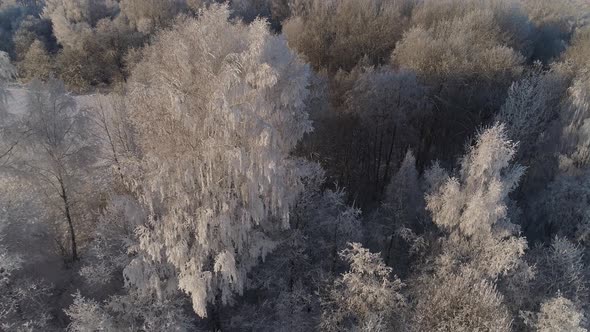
(217, 107)
(58, 154)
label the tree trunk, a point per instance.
(68, 214)
(335, 249)
(389, 248)
(378, 168)
(388, 161)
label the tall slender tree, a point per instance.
(58, 152)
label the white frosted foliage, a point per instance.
(559, 314)
(473, 206)
(217, 107)
(366, 295)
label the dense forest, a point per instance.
(295, 165)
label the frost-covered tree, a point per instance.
(331, 224)
(531, 104)
(401, 214)
(579, 48)
(128, 312)
(23, 300)
(148, 15)
(24, 305)
(215, 171)
(508, 16)
(36, 62)
(459, 302)
(12, 16)
(531, 113)
(59, 155)
(99, 59)
(113, 242)
(32, 28)
(188, 201)
(338, 34)
(88, 315)
(95, 36)
(404, 195)
(469, 52)
(562, 208)
(469, 42)
(558, 206)
(305, 261)
(73, 20)
(565, 14)
(473, 207)
(558, 314)
(366, 297)
(111, 123)
(575, 118)
(554, 22)
(123, 306)
(561, 269)
(458, 292)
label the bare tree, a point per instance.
(112, 130)
(58, 152)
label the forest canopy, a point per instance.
(295, 165)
